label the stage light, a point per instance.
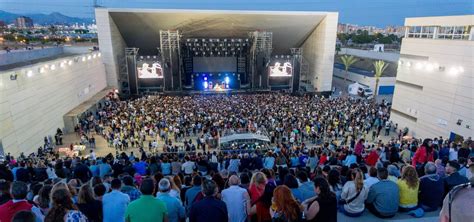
(99, 54)
(429, 67)
(418, 65)
(53, 67)
(453, 71)
(42, 70)
(206, 85)
(83, 58)
(227, 80)
(29, 73)
(205, 78)
(69, 62)
(89, 57)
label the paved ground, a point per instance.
(400, 217)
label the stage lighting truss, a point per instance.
(216, 47)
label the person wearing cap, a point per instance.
(431, 189)
(175, 208)
(454, 178)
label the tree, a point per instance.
(379, 67)
(347, 61)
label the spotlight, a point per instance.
(42, 70)
(205, 78)
(453, 71)
(89, 57)
(83, 58)
(93, 56)
(418, 65)
(206, 85)
(69, 62)
(429, 67)
(53, 67)
(99, 54)
(29, 73)
(227, 80)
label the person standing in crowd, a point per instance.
(237, 200)
(174, 206)
(323, 207)
(209, 209)
(285, 207)
(19, 190)
(423, 155)
(147, 208)
(114, 204)
(383, 198)
(88, 205)
(353, 195)
(63, 209)
(431, 189)
(192, 193)
(130, 189)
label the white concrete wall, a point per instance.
(387, 56)
(319, 49)
(365, 80)
(445, 96)
(111, 45)
(33, 107)
(16, 56)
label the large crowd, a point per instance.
(327, 155)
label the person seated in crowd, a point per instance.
(408, 185)
(209, 209)
(383, 198)
(372, 178)
(431, 189)
(322, 207)
(284, 206)
(88, 205)
(24, 216)
(306, 186)
(147, 208)
(454, 178)
(457, 205)
(292, 183)
(114, 204)
(353, 195)
(18, 190)
(174, 206)
(237, 200)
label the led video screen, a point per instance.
(214, 64)
(152, 70)
(281, 70)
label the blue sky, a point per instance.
(364, 12)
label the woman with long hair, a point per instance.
(256, 190)
(88, 205)
(353, 195)
(423, 155)
(334, 180)
(284, 206)
(323, 207)
(63, 209)
(408, 185)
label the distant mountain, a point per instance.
(43, 19)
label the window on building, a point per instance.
(420, 32)
(454, 32)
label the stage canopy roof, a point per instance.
(140, 27)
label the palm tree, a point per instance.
(348, 61)
(379, 67)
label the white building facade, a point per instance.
(434, 93)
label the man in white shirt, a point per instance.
(372, 178)
(237, 200)
(188, 166)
